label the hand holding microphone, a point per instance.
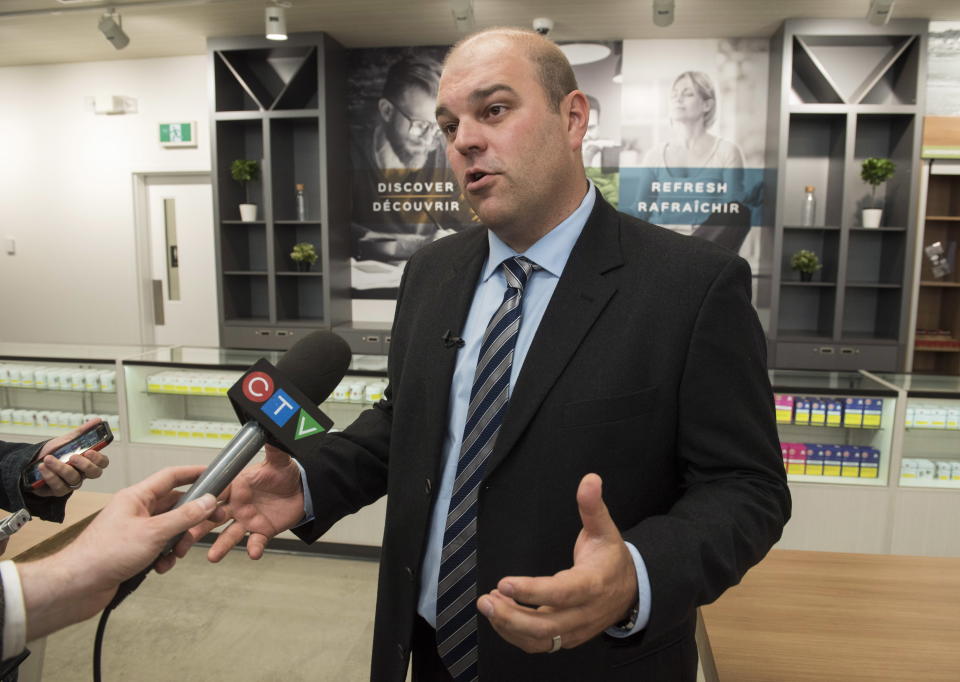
(279, 406)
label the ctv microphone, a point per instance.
(279, 407)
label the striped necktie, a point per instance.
(457, 587)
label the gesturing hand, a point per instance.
(262, 500)
(575, 604)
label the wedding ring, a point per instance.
(556, 645)
(74, 487)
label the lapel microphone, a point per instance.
(451, 341)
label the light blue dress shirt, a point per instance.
(550, 252)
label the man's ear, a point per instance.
(385, 107)
(576, 110)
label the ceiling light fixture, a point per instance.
(462, 11)
(111, 26)
(584, 53)
(275, 20)
(879, 11)
(663, 12)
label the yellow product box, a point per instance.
(853, 413)
(834, 411)
(818, 412)
(872, 413)
(850, 461)
(814, 459)
(832, 461)
(784, 407)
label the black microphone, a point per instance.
(279, 405)
(451, 341)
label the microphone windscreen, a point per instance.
(316, 364)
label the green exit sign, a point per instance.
(178, 134)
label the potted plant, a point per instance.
(806, 263)
(304, 255)
(243, 171)
(875, 172)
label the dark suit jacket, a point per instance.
(648, 368)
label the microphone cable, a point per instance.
(125, 589)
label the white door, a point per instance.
(180, 263)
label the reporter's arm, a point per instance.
(124, 538)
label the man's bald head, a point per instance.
(553, 70)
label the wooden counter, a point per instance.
(39, 538)
(820, 616)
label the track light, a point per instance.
(462, 11)
(879, 11)
(663, 12)
(111, 27)
(276, 23)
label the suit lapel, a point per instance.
(581, 295)
(446, 311)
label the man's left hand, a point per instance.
(575, 604)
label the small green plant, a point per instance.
(304, 252)
(876, 171)
(805, 262)
(243, 171)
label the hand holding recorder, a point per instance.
(65, 461)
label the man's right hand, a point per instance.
(262, 500)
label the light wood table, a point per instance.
(39, 538)
(820, 616)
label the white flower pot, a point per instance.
(872, 216)
(248, 213)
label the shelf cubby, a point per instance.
(815, 156)
(295, 148)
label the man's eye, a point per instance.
(449, 129)
(497, 109)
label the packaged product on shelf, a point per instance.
(4, 375)
(955, 470)
(374, 392)
(834, 412)
(908, 468)
(853, 413)
(156, 427)
(872, 412)
(40, 379)
(938, 417)
(926, 470)
(921, 417)
(108, 380)
(796, 459)
(26, 376)
(357, 390)
(818, 412)
(849, 461)
(943, 470)
(342, 392)
(814, 453)
(953, 418)
(784, 407)
(869, 462)
(801, 412)
(6, 416)
(908, 420)
(213, 431)
(832, 460)
(784, 449)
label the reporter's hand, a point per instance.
(123, 539)
(62, 479)
(262, 500)
(577, 603)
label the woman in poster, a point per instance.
(693, 176)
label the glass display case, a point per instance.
(177, 396)
(834, 427)
(47, 389)
(931, 439)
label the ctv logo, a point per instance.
(258, 387)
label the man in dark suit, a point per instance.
(584, 470)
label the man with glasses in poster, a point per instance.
(404, 195)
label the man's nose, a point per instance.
(469, 137)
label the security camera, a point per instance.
(543, 25)
(111, 29)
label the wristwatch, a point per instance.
(630, 622)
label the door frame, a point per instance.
(141, 234)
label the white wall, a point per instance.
(66, 190)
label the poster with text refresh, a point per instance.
(404, 195)
(693, 127)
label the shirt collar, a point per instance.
(553, 249)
